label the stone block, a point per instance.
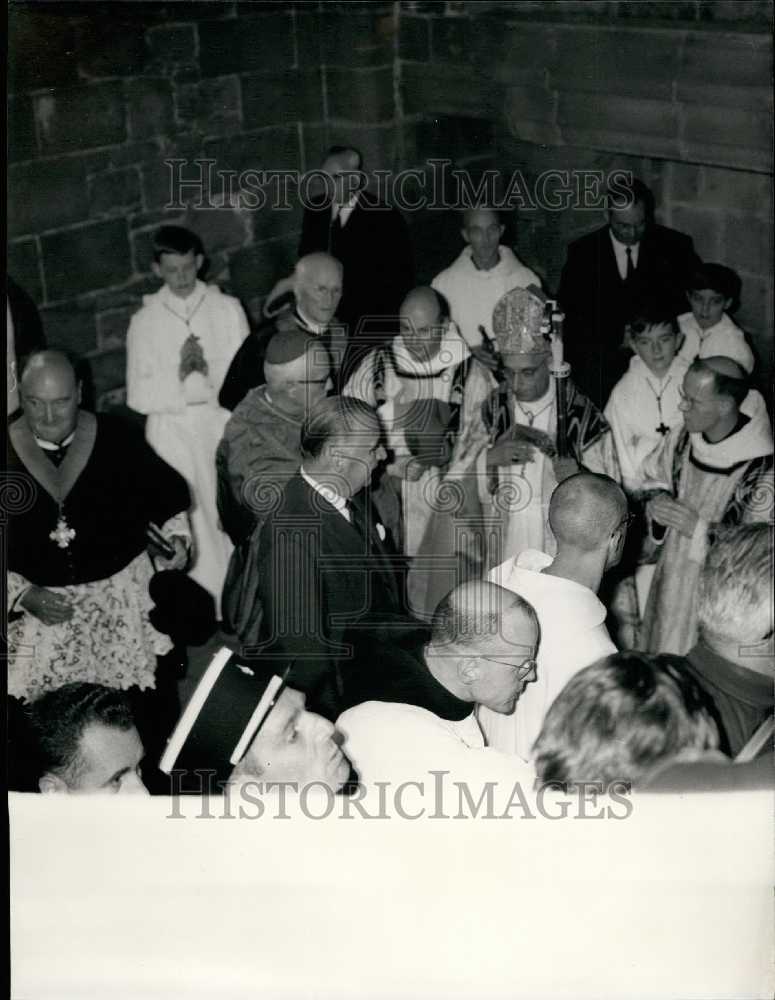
(22, 144)
(733, 70)
(362, 95)
(712, 134)
(141, 241)
(108, 370)
(149, 107)
(170, 45)
(23, 265)
(278, 98)
(110, 42)
(81, 117)
(616, 61)
(132, 153)
(433, 89)
(211, 106)
(85, 259)
(632, 125)
(737, 191)
(519, 53)
(685, 185)
(112, 326)
(377, 143)
(758, 12)
(41, 48)
(46, 194)
(115, 191)
(350, 39)
(414, 40)
(747, 243)
(453, 137)
(269, 223)
(71, 326)
(180, 176)
(267, 149)
(308, 38)
(248, 45)
(703, 226)
(254, 270)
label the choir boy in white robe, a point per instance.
(713, 291)
(179, 347)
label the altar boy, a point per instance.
(179, 347)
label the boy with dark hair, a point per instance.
(713, 291)
(179, 347)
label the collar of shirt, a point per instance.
(329, 495)
(343, 212)
(309, 325)
(620, 252)
(50, 446)
(183, 307)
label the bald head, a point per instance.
(297, 370)
(422, 322)
(317, 285)
(478, 613)
(50, 395)
(721, 376)
(585, 510)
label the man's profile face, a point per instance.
(529, 375)
(506, 664)
(108, 761)
(318, 293)
(482, 231)
(50, 398)
(628, 224)
(294, 745)
(699, 404)
(178, 271)
(358, 454)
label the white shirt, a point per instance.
(620, 252)
(573, 635)
(328, 494)
(725, 339)
(343, 212)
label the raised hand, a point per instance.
(49, 607)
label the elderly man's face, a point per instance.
(507, 664)
(701, 407)
(319, 291)
(529, 375)
(629, 224)
(295, 745)
(50, 398)
(422, 327)
(108, 761)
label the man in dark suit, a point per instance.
(371, 240)
(326, 569)
(610, 271)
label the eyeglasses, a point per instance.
(523, 669)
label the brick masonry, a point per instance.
(99, 100)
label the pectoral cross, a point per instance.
(663, 429)
(63, 534)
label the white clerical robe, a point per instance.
(185, 422)
(725, 339)
(573, 635)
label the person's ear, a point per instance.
(157, 270)
(199, 259)
(79, 391)
(49, 783)
(469, 670)
(501, 231)
(464, 234)
(727, 304)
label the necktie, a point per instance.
(630, 265)
(333, 227)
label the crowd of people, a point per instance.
(426, 547)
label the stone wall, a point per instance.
(101, 95)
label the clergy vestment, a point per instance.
(393, 381)
(472, 293)
(257, 455)
(185, 421)
(731, 483)
(81, 532)
(573, 635)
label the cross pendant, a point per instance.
(63, 534)
(663, 429)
